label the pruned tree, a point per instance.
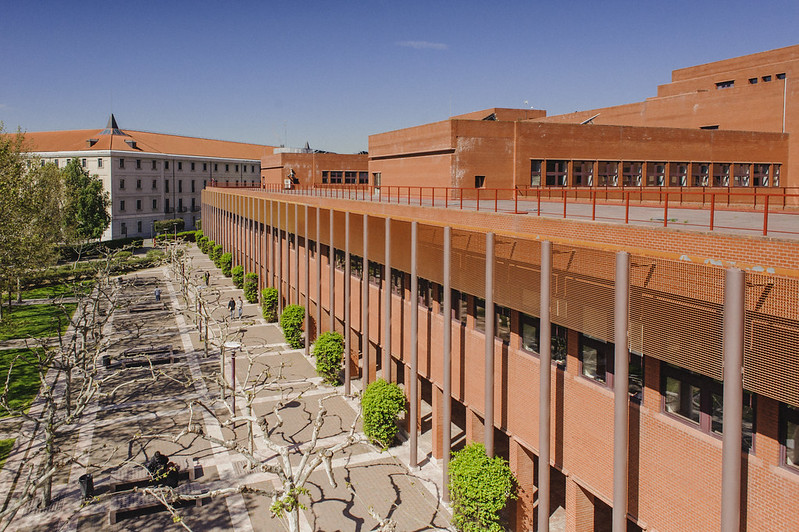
(86, 204)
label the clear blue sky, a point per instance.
(332, 73)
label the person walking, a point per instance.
(206, 276)
(240, 307)
(158, 294)
(231, 305)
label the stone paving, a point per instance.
(118, 436)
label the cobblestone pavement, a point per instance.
(115, 437)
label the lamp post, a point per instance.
(232, 346)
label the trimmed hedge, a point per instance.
(251, 287)
(291, 323)
(209, 249)
(202, 243)
(382, 402)
(480, 487)
(269, 304)
(329, 352)
(123, 262)
(95, 249)
(225, 261)
(163, 226)
(216, 255)
(188, 236)
(237, 273)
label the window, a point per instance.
(252, 168)
(607, 173)
(138, 167)
(531, 335)
(557, 173)
(192, 186)
(760, 175)
(700, 401)
(180, 205)
(180, 165)
(216, 167)
(121, 184)
(460, 306)
(123, 228)
(725, 84)
(122, 163)
(583, 173)
(227, 168)
(356, 266)
(535, 172)
(781, 75)
(138, 184)
(397, 282)
(155, 165)
(363, 178)
(166, 205)
(166, 185)
(138, 204)
(700, 174)
(596, 359)
(205, 167)
(480, 314)
(631, 173)
(350, 177)
(636, 376)
(655, 174)
(99, 163)
(180, 185)
(740, 175)
(339, 259)
(479, 181)
(121, 205)
(83, 163)
(789, 428)
(324, 177)
(678, 174)
(336, 177)
(166, 165)
(502, 323)
(193, 204)
(424, 294)
(776, 179)
(55, 162)
(753, 81)
(438, 296)
(721, 174)
(766, 79)
(155, 204)
(375, 273)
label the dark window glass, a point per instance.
(596, 358)
(790, 435)
(438, 295)
(375, 273)
(339, 258)
(397, 282)
(480, 314)
(502, 323)
(424, 289)
(356, 266)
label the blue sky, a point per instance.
(332, 73)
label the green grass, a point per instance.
(5, 450)
(67, 290)
(24, 382)
(34, 321)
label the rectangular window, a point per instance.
(460, 306)
(480, 314)
(155, 165)
(166, 165)
(155, 204)
(636, 376)
(138, 204)
(781, 75)
(760, 175)
(237, 168)
(99, 163)
(789, 427)
(83, 163)
(375, 273)
(180, 165)
(583, 173)
(122, 163)
(121, 184)
(356, 266)
(557, 173)
(155, 184)
(192, 186)
(227, 168)
(252, 168)
(535, 172)
(138, 227)
(740, 175)
(655, 174)
(397, 282)
(721, 174)
(124, 228)
(121, 205)
(336, 177)
(725, 84)
(631, 172)
(138, 184)
(776, 180)
(479, 181)
(193, 204)
(363, 178)
(531, 335)
(205, 167)
(438, 296)
(138, 167)
(424, 294)
(192, 167)
(350, 177)
(324, 177)
(700, 174)
(339, 259)
(180, 204)
(55, 162)
(502, 323)
(607, 173)
(766, 78)
(753, 81)
(180, 186)
(678, 174)
(166, 205)
(166, 185)
(216, 167)
(596, 359)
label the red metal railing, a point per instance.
(575, 203)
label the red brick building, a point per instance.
(669, 397)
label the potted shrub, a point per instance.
(382, 402)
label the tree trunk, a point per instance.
(49, 454)
(19, 291)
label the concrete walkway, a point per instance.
(114, 436)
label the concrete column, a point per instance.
(271, 246)
(437, 426)
(489, 346)
(279, 264)
(447, 362)
(347, 307)
(734, 312)
(387, 307)
(414, 376)
(365, 304)
(621, 428)
(289, 299)
(307, 285)
(544, 388)
(332, 285)
(318, 270)
(297, 252)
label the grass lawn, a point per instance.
(5, 450)
(67, 290)
(34, 321)
(24, 382)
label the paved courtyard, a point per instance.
(116, 436)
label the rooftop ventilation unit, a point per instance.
(131, 143)
(91, 142)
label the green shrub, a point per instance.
(291, 323)
(251, 287)
(209, 249)
(269, 304)
(382, 402)
(237, 272)
(187, 236)
(169, 226)
(329, 352)
(225, 261)
(216, 255)
(202, 243)
(198, 234)
(72, 253)
(480, 488)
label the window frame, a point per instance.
(788, 414)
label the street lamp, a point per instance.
(232, 346)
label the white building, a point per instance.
(151, 176)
